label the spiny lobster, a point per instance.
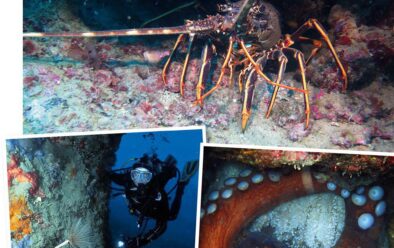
(253, 32)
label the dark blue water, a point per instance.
(184, 146)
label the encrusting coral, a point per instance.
(20, 217)
(15, 172)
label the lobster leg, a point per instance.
(317, 47)
(258, 70)
(185, 63)
(313, 23)
(231, 67)
(223, 70)
(241, 74)
(282, 67)
(301, 64)
(240, 79)
(248, 92)
(166, 66)
(204, 72)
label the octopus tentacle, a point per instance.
(228, 210)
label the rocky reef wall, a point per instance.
(58, 190)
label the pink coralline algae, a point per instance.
(365, 51)
(145, 106)
(352, 137)
(377, 132)
(29, 47)
(155, 56)
(361, 107)
(106, 78)
(29, 81)
(297, 132)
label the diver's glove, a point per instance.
(188, 171)
(170, 161)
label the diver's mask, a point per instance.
(140, 175)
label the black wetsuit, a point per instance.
(151, 200)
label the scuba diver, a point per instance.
(144, 184)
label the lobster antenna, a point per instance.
(243, 11)
(168, 13)
(184, 29)
(110, 33)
